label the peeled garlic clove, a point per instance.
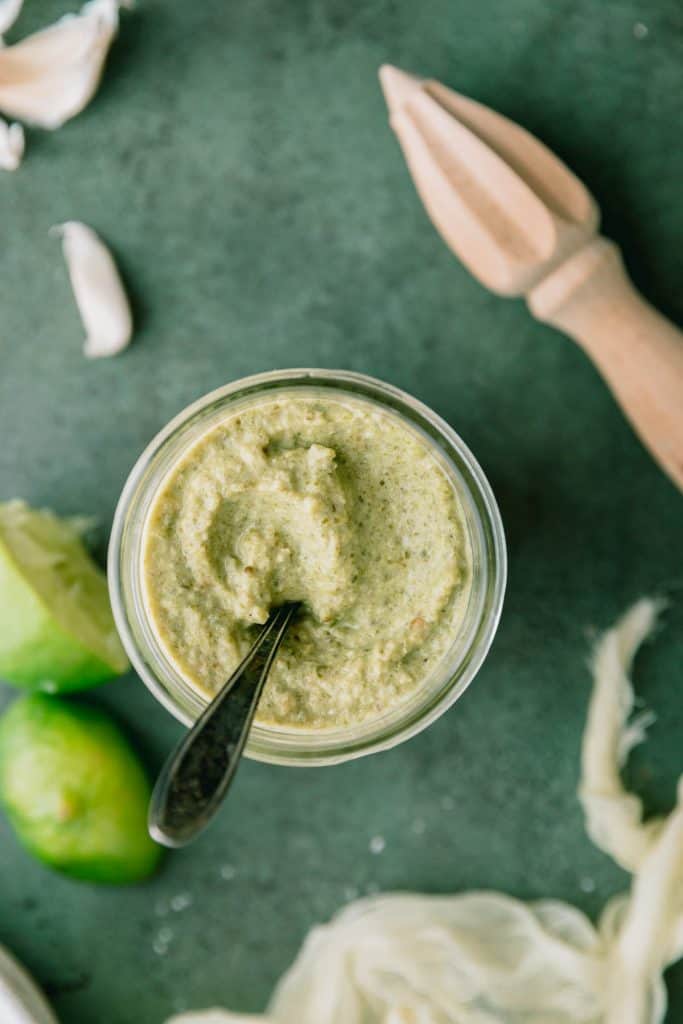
(9, 12)
(51, 75)
(98, 290)
(12, 143)
(21, 1002)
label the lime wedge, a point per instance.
(57, 632)
(74, 791)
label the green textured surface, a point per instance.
(239, 161)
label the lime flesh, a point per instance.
(74, 790)
(57, 631)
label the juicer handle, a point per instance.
(637, 350)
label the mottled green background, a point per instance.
(239, 161)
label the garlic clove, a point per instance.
(52, 75)
(12, 144)
(9, 12)
(21, 1002)
(99, 293)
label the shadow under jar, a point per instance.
(470, 618)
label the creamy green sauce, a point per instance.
(329, 501)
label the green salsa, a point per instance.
(331, 501)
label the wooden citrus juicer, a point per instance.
(523, 224)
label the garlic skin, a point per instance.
(99, 293)
(12, 145)
(50, 76)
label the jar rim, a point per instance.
(299, 747)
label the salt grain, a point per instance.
(377, 844)
(162, 941)
(228, 872)
(640, 31)
(587, 884)
(181, 902)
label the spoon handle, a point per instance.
(197, 775)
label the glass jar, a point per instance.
(450, 678)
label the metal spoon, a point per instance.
(197, 775)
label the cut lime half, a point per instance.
(57, 631)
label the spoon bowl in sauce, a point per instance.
(195, 779)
